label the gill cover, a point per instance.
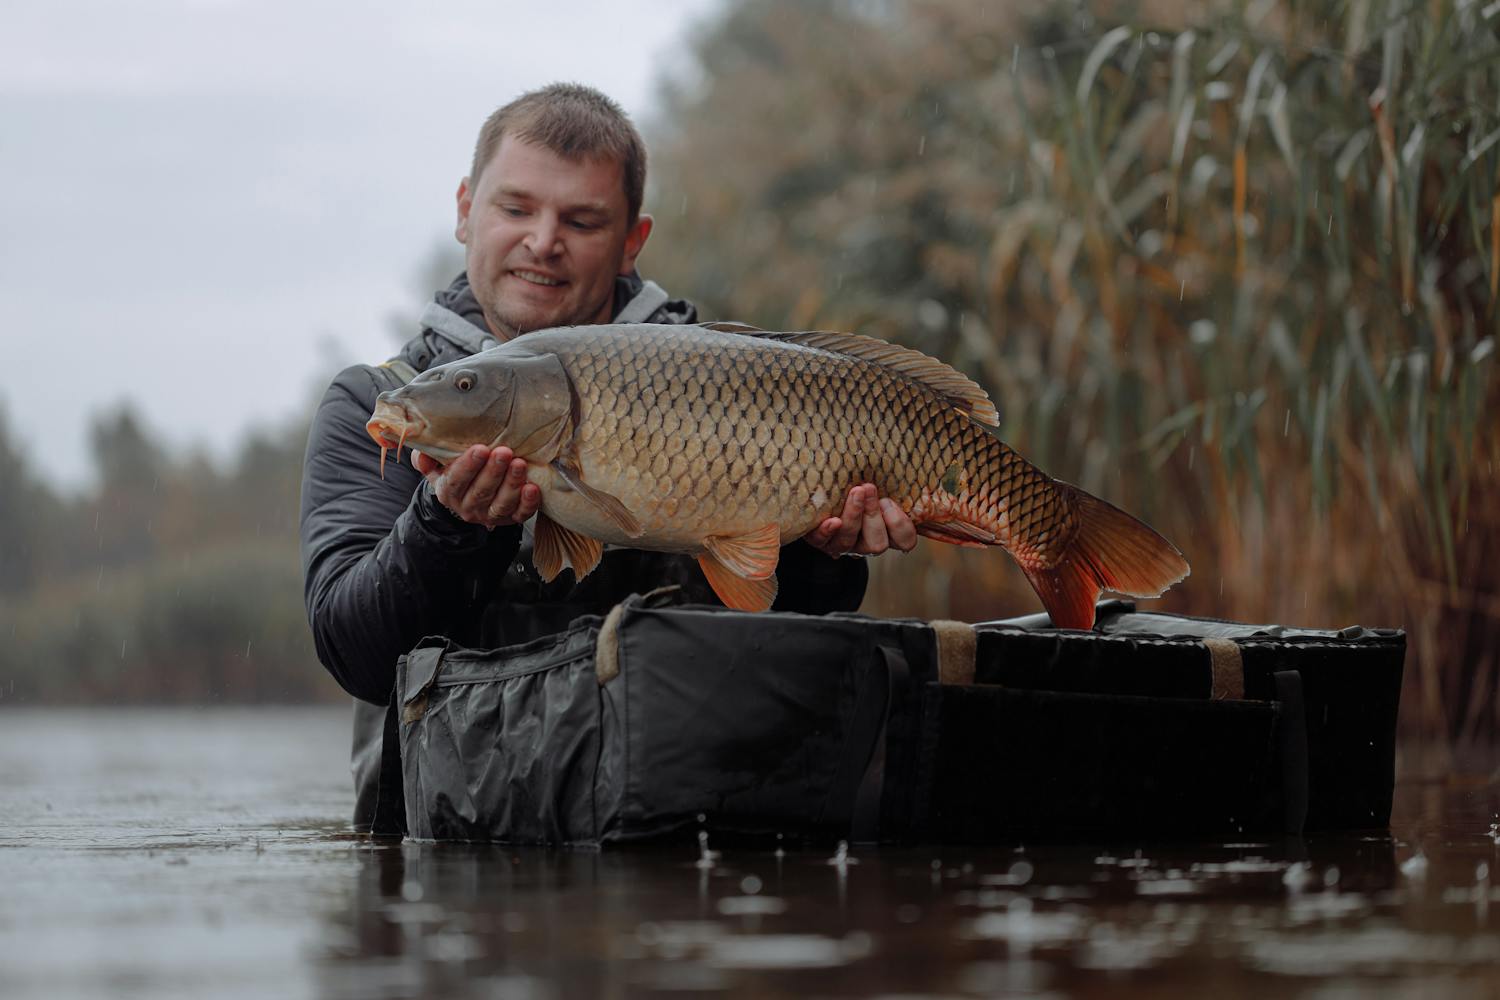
(542, 406)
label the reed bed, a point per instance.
(1232, 266)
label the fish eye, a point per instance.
(463, 381)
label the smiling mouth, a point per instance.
(537, 278)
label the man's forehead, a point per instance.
(526, 169)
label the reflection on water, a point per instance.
(204, 853)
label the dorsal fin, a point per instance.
(961, 392)
(731, 326)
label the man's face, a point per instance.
(545, 238)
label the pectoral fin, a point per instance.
(606, 502)
(554, 546)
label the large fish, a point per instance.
(725, 442)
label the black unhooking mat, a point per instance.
(661, 720)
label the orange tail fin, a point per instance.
(1110, 551)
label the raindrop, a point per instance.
(1182, 290)
(1015, 58)
(1331, 877)
(841, 857)
(750, 885)
(1286, 423)
(922, 146)
(122, 648)
(706, 858)
(1330, 223)
(411, 891)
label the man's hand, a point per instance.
(482, 486)
(868, 526)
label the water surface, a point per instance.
(193, 853)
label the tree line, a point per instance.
(1231, 266)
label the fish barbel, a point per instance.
(726, 442)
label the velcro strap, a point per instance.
(956, 648)
(1228, 669)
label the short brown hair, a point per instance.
(576, 123)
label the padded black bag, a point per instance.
(659, 719)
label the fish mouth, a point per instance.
(392, 424)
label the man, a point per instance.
(550, 218)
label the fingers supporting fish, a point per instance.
(485, 486)
(899, 527)
(866, 526)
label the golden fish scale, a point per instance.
(702, 432)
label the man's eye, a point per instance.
(583, 225)
(514, 211)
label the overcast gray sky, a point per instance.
(205, 203)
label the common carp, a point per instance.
(725, 442)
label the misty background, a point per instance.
(1231, 266)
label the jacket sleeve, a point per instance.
(383, 563)
(816, 584)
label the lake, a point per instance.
(205, 852)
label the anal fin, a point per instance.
(736, 591)
(752, 555)
(554, 546)
(957, 533)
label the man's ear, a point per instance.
(635, 242)
(465, 199)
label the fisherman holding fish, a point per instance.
(550, 219)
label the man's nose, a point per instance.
(542, 237)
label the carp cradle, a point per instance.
(632, 727)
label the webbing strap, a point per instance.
(607, 646)
(957, 645)
(1228, 669)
